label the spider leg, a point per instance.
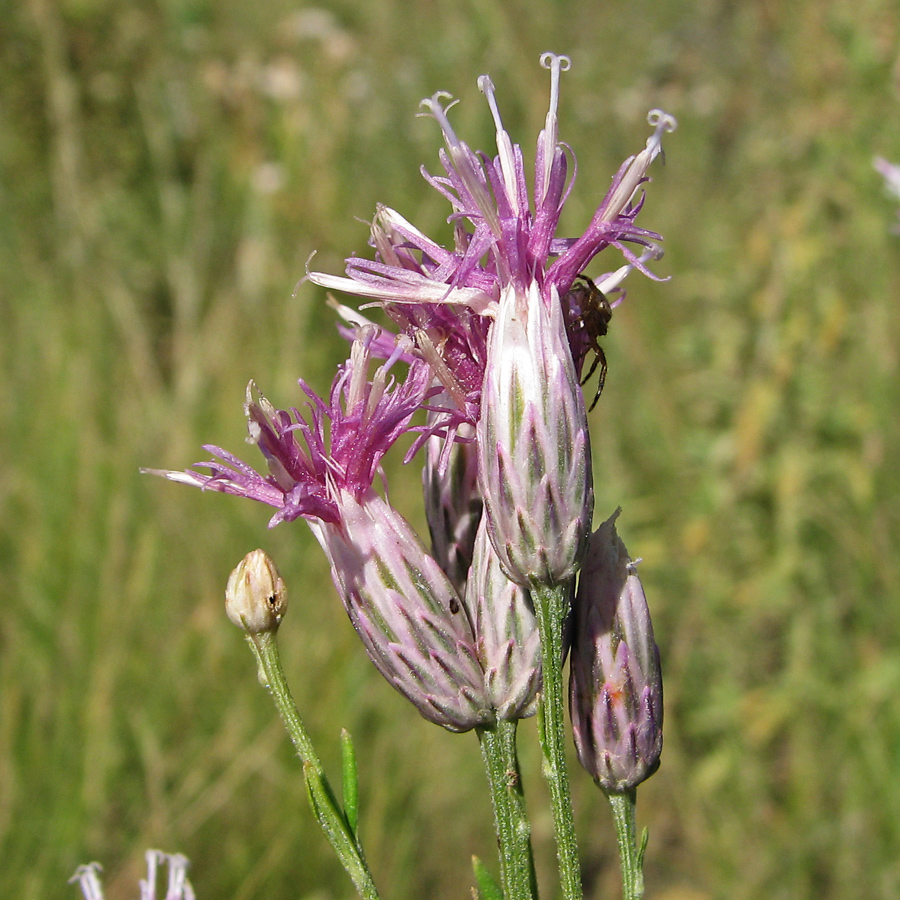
(593, 367)
(601, 359)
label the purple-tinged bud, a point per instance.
(615, 696)
(255, 596)
(453, 504)
(410, 618)
(533, 443)
(506, 632)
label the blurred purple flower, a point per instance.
(179, 888)
(891, 174)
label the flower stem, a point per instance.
(630, 854)
(321, 797)
(498, 749)
(551, 605)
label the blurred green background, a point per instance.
(169, 166)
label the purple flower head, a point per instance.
(615, 697)
(307, 469)
(446, 329)
(493, 332)
(401, 603)
(498, 319)
(504, 236)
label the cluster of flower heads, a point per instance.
(492, 335)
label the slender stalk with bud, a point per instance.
(256, 601)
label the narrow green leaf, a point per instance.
(642, 849)
(335, 827)
(488, 889)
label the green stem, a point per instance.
(321, 797)
(551, 605)
(498, 749)
(631, 854)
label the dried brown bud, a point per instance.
(255, 597)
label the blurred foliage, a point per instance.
(168, 168)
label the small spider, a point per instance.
(593, 315)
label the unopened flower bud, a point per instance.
(615, 697)
(255, 597)
(453, 505)
(506, 634)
